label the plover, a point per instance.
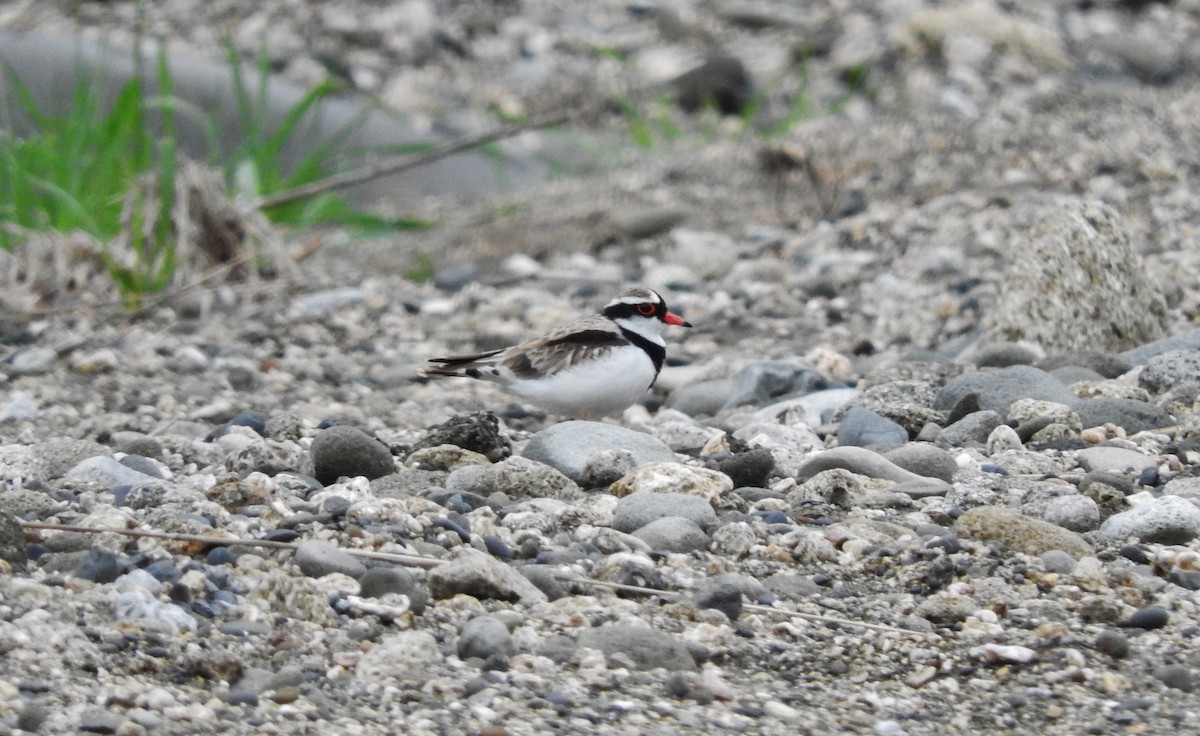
(591, 367)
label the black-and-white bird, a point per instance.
(591, 367)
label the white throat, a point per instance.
(647, 327)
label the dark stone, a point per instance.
(1150, 617)
(12, 541)
(726, 598)
(1134, 554)
(99, 567)
(1187, 579)
(377, 582)
(544, 578)
(751, 468)
(344, 451)
(1176, 676)
(255, 420)
(722, 82)
(497, 548)
(1112, 643)
(479, 432)
(1130, 414)
(1106, 364)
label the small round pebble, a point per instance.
(1112, 643)
(1150, 617)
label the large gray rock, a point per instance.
(1165, 520)
(1020, 533)
(998, 389)
(647, 648)
(482, 576)
(569, 446)
(1075, 282)
(639, 509)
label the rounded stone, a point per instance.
(483, 637)
(639, 509)
(673, 534)
(864, 428)
(1150, 617)
(1163, 520)
(1019, 532)
(345, 451)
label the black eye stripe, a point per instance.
(621, 310)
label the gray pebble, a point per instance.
(1150, 617)
(483, 637)
(702, 398)
(1112, 643)
(924, 459)
(972, 429)
(726, 598)
(482, 576)
(759, 384)
(12, 541)
(106, 472)
(673, 534)
(864, 428)
(377, 582)
(1183, 341)
(1058, 561)
(862, 461)
(317, 558)
(1176, 676)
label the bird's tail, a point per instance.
(459, 365)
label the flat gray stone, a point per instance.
(569, 446)
(998, 389)
(317, 558)
(1114, 460)
(1143, 353)
(873, 465)
(639, 509)
(673, 534)
(105, 471)
(647, 648)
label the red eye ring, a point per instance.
(646, 308)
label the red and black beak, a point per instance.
(674, 319)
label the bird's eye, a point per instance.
(646, 308)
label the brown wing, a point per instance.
(563, 348)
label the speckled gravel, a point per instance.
(928, 463)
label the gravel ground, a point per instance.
(926, 464)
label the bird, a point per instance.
(589, 368)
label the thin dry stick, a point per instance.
(396, 165)
(429, 563)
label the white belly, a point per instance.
(595, 388)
